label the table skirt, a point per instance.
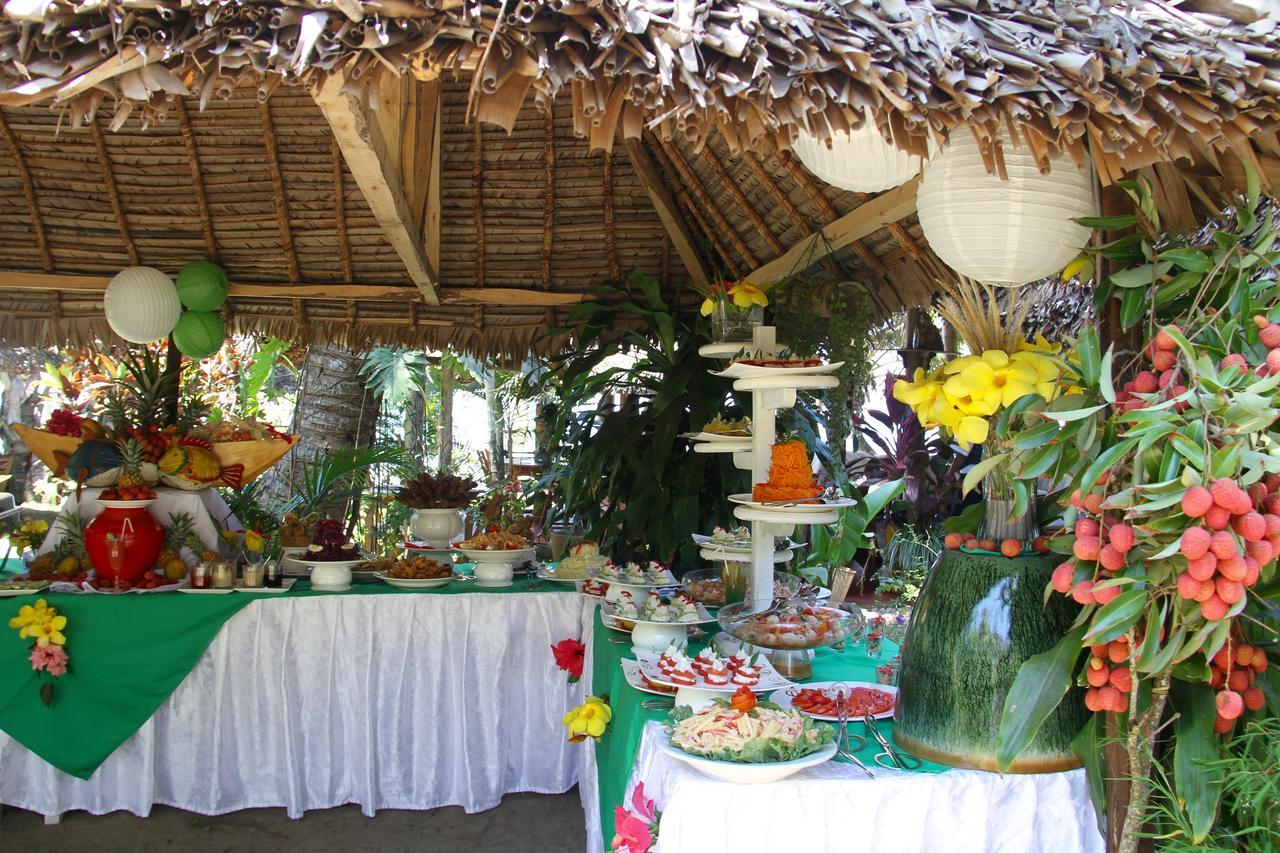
(390, 702)
(834, 808)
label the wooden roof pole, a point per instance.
(29, 192)
(713, 160)
(281, 200)
(197, 178)
(665, 206)
(113, 195)
(610, 225)
(340, 210)
(477, 197)
(695, 187)
(549, 191)
(695, 213)
(378, 175)
(865, 219)
(802, 177)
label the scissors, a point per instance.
(888, 757)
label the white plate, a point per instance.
(749, 774)
(286, 584)
(703, 616)
(614, 623)
(738, 370)
(579, 586)
(127, 504)
(550, 575)
(769, 677)
(836, 503)
(516, 556)
(329, 564)
(783, 697)
(413, 583)
(11, 593)
(668, 580)
(631, 669)
(719, 436)
(187, 588)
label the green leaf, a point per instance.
(1163, 658)
(1189, 451)
(1109, 223)
(1133, 304)
(1192, 260)
(1041, 683)
(1140, 276)
(1069, 415)
(1038, 435)
(1090, 357)
(980, 470)
(1104, 376)
(1181, 283)
(1040, 461)
(1088, 745)
(1117, 616)
(1105, 460)
(1198, 780)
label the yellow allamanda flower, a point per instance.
(1040, 344)
(919, 393)
(40, 622)
(589, 719)
(745, 295)
(981, 384)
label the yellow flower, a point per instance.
(920, 392)
(1047, 371)
(1040, 344)
(967, 429)
(708, 306)
(588, 720)
(980, 385)
(254, 540)
(40, 622)
(745, 295)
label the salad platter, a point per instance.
(819, 699)
(495, 555)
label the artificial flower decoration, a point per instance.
(50, 659)
(588, 720)
(28, 534)
(743, 700)
(964, 393)
(637, 829)
(569, 655)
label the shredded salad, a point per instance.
(763, 734)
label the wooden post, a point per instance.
(446, 416)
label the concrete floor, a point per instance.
(524, 823)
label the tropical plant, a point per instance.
(1174, 525)
(331, 479)
(624, 471)
(255, 382)
(835, 546)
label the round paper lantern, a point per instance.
(1003, 232)
(198, 334)
(141, 304)
(202, 286)
(860, 160)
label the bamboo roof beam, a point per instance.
(342, 291)
(340, 209)
(549, 191)
(378, 174)
(278, 193)
(704, 199)
(477, 190)
(802, 177)
(610, 230)
(113, 195)
(420, 155)
(29, 193)
(867, 218)
(744, 204)
(197, 179)
(695, 213)
(673, 224)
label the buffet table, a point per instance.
(302, 700)
(830, 807)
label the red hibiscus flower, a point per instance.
(631, 832)
(569, 656)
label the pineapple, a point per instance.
(178, 535)
(131, 465)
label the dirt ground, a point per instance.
(524, 823)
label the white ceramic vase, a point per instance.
(437, 527)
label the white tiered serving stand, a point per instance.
(768, 395)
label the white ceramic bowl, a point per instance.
(332, 575)
(749, 774)
(412, 583)
(436, 527)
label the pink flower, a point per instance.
(569, 654)
(51, 659)
(631, 833)
(643, 806)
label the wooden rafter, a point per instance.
(829, 211)
(775, 192)
(610, 229)
(433, 213)
(278, 192)
(28, 192)
(704, 199)
(346, 291)
(740, 198)
(477, 190)
(416, 104)
(890, 206)
(673, 223)
(340, 209)
(695, 213)
(374, 161)
(549, 191)
(197, 179)
(113, 195)
(905, 240)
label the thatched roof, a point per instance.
(339, 158)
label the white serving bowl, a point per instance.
(412, 583)
(437, 527)
(496, 568)
(331, 575)
(749, 774)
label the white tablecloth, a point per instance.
(388, 701)
(206, 508)
(833, 807)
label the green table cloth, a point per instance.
(128, 653)
(616, 750)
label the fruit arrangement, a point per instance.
(329, 543)
(1008, 547)
(437, 491)
(65, 422)
(68, 560)
(132, 485)
(855, 702)
(297, 531)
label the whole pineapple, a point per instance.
(178, 535)
(131, 465)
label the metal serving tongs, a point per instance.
(896, 760)
(843, 738)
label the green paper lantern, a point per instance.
(198, 334)
(202, 286)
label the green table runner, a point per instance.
(616, 750)
(128, 654)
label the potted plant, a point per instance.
(438, 501)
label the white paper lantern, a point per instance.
(860, 161)
(141, 304)
(1003, 232)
